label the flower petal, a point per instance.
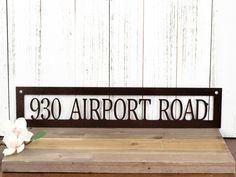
(10, 140)
(20, 123)
(20, 142)
(8, 151)
(20, 148)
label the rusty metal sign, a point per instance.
(119, 107)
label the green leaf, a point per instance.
(38, 135)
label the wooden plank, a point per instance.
(75, 38)
(58, 43)
(109, 154)
(193, 43)
(4, 103)
(111, 175)
(150, 133)
(56, 62)
(126, 25)
(88, 157)
(131, 144)
(160, 50)
(24, 46)
(69, 161)
(1, 156)
(175, 48)
(222, 61)
(92, 43)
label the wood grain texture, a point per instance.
(111, 175)
(124, 133)
(193, 43)
(57, 43)
(103, 153)
(126, 25)
(194, 39)
(222, 61)
(160, 50)
(91, 23)
(126, 46)
(24, 46)
(130, 144)
(176, 53)
(56, 62)
(4, 104)
(1, 156)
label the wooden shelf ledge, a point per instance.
(124, 151)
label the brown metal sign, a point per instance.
(120, 107)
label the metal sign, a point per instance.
(119, 107)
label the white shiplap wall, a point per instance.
(4, 113)
(223, 61)
(126, 42)
(150, 43)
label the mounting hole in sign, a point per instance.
(216, 92)
(20, 91)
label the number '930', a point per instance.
(45, 108)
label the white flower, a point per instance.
(15, 135)
(13, 144)
(20, 130)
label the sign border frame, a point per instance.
(125, 91)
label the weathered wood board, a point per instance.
(111, 175)
(126, 151)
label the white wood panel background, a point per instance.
(4, 104)
(143, 43)
(223, 61)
